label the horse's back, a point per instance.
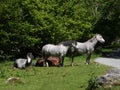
(81, 47)
(48, 46)
(85, 47)
(20, 62)
(50, 49)
(56, 50)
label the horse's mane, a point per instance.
(92, 39)
(68, 43)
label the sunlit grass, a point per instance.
(52, 78)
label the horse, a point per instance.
(58, 50)
(87, 47)
(52, 61)
(22, 62)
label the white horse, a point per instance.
(88, 47)
(59, 50)
(22, 63)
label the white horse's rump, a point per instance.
(59, 50)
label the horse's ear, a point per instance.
(96, 34)
(74, 44)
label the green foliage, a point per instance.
(31, 24)
(92, 83)
(27, 25)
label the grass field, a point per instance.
(52, 78)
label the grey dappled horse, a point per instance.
(88, 46)
(59, 50)
(22, 63)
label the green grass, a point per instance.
(52, 78)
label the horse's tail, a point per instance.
(43, 52)
(44, 57)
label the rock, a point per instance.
(110, 79)
(13, 80)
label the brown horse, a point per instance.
(52, 61)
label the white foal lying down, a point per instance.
(22, 63)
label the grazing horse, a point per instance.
(88, 47)
(59, 51)
(22, 63)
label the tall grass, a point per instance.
(52, 78)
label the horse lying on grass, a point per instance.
(52, 61)
(23, 63)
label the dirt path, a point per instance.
(109, 61)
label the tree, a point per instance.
(27, 25)
(109, 24)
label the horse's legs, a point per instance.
(72, 57)
(72, 61)
(45, 63)
(44, 58)
(88, 58)
(62, 63)
(61, 60)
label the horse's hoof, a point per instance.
(60, 65)
(72, 65)
(87, 63)
(47, 65)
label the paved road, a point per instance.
(109, 61)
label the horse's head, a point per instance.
(30, 55)
(100, 38)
